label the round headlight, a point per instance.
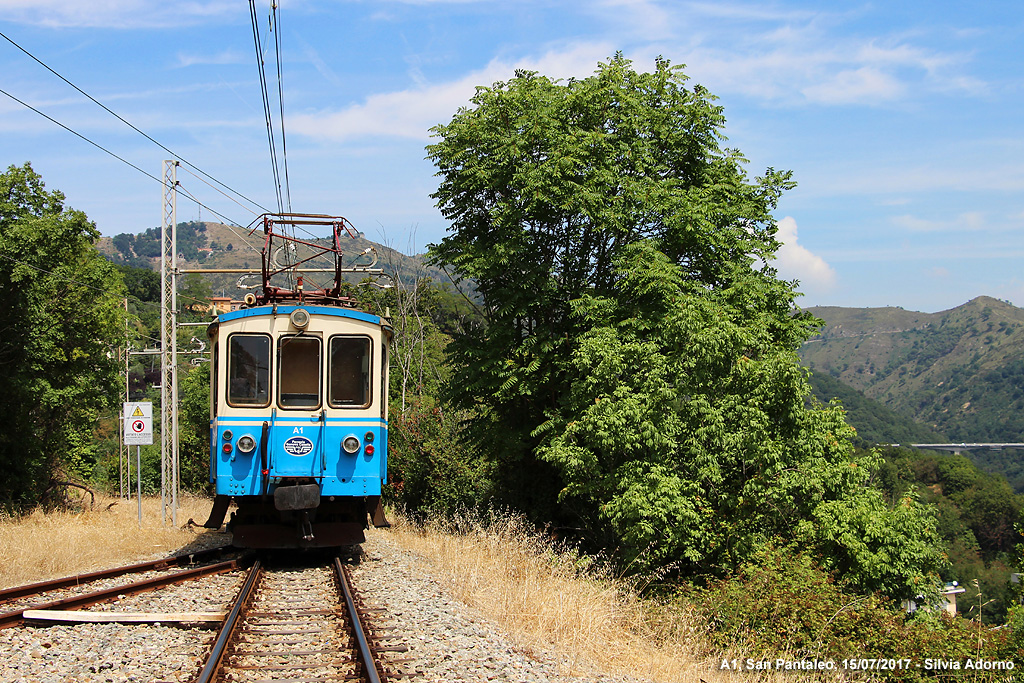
(300, 318)
(246, 443)
(350, 444)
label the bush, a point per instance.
(429, 469)
(782, 605)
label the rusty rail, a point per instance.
(365, 654)
(8, 594)
(220, 645)
(14, 618)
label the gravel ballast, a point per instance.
(446, 640)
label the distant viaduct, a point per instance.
(958, 447)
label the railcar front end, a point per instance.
(299, 423)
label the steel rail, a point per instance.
(227, 630)
(8, 594)
(365, 651)
(14, 618)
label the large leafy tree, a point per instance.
(637, 375)
(61, 318)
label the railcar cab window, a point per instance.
(249, 370)
(298, 367)
(350, 372)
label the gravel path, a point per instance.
(447, 641)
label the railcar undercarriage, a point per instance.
(296, 518)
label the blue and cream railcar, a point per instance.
(299, 426)
(299, 389)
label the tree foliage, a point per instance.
(194, 428)
(637, 376)
(61, 318)
(976, 514)
(137, 250)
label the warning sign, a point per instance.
(138, 423)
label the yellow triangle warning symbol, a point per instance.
(138, 412)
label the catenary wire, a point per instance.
(105, 150)
(126, 122)
(266, 104)
(231, 225)
(217, 189)
(188, 166)
(280, 100)
(74, 132)
(92, 287)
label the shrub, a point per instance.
(429, 468)
(782, 605)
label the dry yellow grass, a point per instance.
(45, 546)
(546, 603)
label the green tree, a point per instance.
(62, 317)
(637, 375)
(194, 427)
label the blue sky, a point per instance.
(903, 122)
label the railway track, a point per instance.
(286, 623)
(298, 624)
(435, 636)
(72, 593)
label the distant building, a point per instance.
(224, 304)
(947, 602)
(217, 305)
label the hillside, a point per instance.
(874, 422)
(216, 245)
(959, 373)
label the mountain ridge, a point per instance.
(958, 371)
(206, 244)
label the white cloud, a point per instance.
(794, 261)
(220, 58)
(644, 19)
(798, 58)
(968, 221)
(797, 74)
(120, 14)
(411, 113)
(793, 58)
(953, 174)
(865, 85)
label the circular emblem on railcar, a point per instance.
(298, 445)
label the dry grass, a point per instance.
(549, 601)
(45, 546)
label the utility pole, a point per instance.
(124, 453)
(169, 345)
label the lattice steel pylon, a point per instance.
(169, 346)
(123, 454)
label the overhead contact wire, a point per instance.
(119, 158)
(124, 121)
(266, 104)
(76, 133)
(230, 225)
(64, 278)
(280, 101)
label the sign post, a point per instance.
(138, 432)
